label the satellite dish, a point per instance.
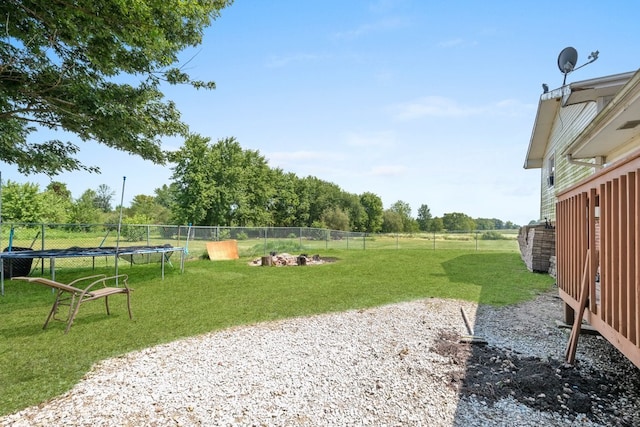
(567, 60)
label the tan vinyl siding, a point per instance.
(573, 119)
(624, 150)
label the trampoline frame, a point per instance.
(52, 254)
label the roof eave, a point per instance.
(547, 109)
(586, 144)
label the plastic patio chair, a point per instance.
(73, 296)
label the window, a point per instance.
(551, 171)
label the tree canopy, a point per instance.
(403, 210)
(224, 184)
(221, 183)
(457, 221)
(58, 63)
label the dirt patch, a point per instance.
(609, 397)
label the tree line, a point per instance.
(226, 185)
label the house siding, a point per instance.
(572, 120)
(624, 151)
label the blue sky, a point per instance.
(425, 102)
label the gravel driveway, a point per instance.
(397, 365)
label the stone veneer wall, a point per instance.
(537, 247)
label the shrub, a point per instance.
(492, 235)
(132, 229)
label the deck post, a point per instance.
(569, 314)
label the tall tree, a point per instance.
(335, 219)
(373, 207)
(221, 184)
(195, 189)
(165, 195)
(391, 222)
(143, 206)
(436, 225)
(424, 217)
(104, 196)
(285, 203)
(357, 216)
(404, 211)
(322, 195)
(303, 209)
(57, 204)
(58, 60)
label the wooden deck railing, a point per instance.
(598, 252)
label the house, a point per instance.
(586, 142)
(562, 115)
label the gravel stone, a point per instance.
(396, 365)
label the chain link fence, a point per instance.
(252, 241)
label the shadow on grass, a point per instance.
(500, 280)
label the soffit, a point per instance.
(616, 125)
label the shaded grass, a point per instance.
(40, 364)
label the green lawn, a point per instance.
(40, 364)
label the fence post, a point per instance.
(148, 235)
(300, 237)
(265, 242)
(434, 240)
(476, 240)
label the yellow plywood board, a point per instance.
(227, 249)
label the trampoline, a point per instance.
(19, 259)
